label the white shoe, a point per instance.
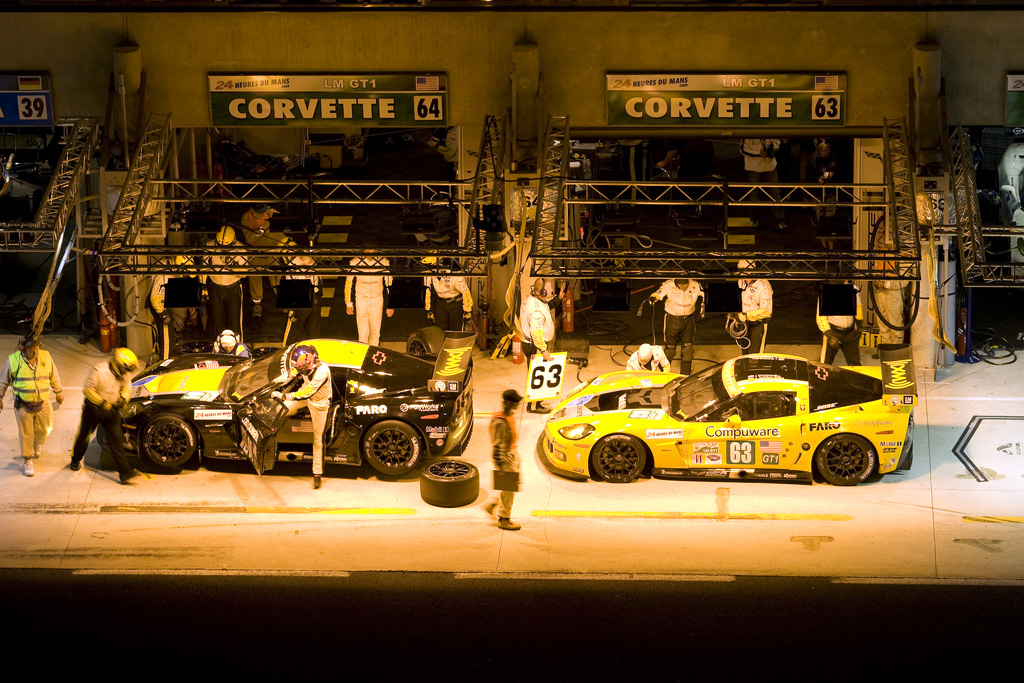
(29, 470)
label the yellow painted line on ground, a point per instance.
(332, 238)
(325, 312)
(328, 293)
(206, 509)
(639, 514)
(994, 520)
(337, 220)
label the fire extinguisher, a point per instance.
(517, 350)
(568, 307)
(108, 332)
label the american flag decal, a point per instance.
(826, 82)
(427, 83)
(771, 446)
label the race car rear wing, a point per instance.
(899, 379)
(453, 362)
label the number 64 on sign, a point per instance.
(544, 379)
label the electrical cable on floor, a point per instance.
(993, 349)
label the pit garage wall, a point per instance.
(474, 49)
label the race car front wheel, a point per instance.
(392, 447)
(846, 459)
(618, 458)
(168, 441)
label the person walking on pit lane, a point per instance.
(538, 327)
(106, 392)
(504, 452)
(316, 391)
(366, 297)
(451, 304)
(684, 305)
(32, 376)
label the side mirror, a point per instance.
(733, 419)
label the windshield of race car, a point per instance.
(696, 393)
(253, 375)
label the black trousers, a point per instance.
(93, 416)
(755, 333)
(679, 331)
(848, 340)
(225, 308)
(448, 313)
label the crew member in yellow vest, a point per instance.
(32, 377)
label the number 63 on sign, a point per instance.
(544, 379)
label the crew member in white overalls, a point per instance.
(365, 296)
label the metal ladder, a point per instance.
(554, 168)
(137, 190)
(902, 200)
(54, 216)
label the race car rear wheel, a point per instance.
(168, 441)
(618, 458)
(450, 483)
(846, 459)
(392, 447)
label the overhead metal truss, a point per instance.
(52, 219)
(558, 258)
(120, 253)
(975, 269)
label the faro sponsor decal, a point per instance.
(824, 426)
(727, 432)
(371, 410)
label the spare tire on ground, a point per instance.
(449, 483)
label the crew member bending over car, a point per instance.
(227, 342)
(316, 391)
(648, 357)
(106, 391)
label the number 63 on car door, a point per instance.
(544, 380)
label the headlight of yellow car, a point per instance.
(577, 431)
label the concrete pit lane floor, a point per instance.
(958, 514)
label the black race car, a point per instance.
(390, 408)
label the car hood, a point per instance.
(625, 390)
(195, 384)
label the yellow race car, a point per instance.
(763, 416)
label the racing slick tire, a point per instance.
(426, 341)
(392, 447)
(618, 458)
(450, 483)
(168, 441)
(846, 459)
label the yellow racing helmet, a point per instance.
(226, 236)
(125, 360)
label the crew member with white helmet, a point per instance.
(227, 342)
(648, 357)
